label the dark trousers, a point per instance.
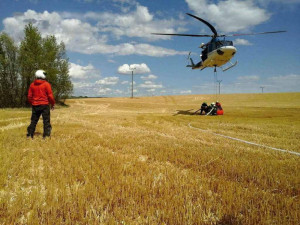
(37, 111)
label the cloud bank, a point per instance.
(136, 68)
(229, 15)
(80, 33)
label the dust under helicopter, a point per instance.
(218, 51)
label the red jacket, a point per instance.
(40, 93)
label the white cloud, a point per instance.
(248, 78)
(70, 27)
(291, 77)
(82, 72)
(125, 82)
(266, 2)
(284, 83)
(149, 77)
(117, 91)
(240, 41)
(104, 91)
(151, 85)
(151, 90)
(79, 85)
(252, 84)
(185, 92)
(229, 15)
(108, 81)
(84, 88)
(139, 23)
(136, 68)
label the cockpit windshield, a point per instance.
(226, 43)
(218, 44)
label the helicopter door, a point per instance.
(211, 47)
(204, 54)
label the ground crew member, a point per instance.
(39, 96)
(212, 109)
(204, 108)
(219, 109)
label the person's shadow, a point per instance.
(37, 134)
(184, 112)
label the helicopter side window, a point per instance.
(204, 54)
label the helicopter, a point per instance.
(218, 51)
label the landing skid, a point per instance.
(229, 67)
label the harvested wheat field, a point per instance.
(143, 161)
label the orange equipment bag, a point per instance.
(220, 112)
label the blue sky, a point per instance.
(105, 37)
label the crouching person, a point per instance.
(212, 109)
(204, 108)
(39, 96)
(219, 109)
(215, 109)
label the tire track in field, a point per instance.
(246, 142)
(12, 126)
(12, 119)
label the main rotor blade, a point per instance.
(207, 23)
(187, 35)
(269, 32)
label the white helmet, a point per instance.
(40, 74)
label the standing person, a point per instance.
(39, 96)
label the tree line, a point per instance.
(18, 64)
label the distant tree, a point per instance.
(56, 64)
(18, 66)
(9, 73)
(30, 58)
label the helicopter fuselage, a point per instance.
(215, 54)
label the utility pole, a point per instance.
(262, 89)
(132, 69)
(219, 81)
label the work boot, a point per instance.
(29, 136)
(46, 136)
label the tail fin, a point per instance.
(192, 62)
